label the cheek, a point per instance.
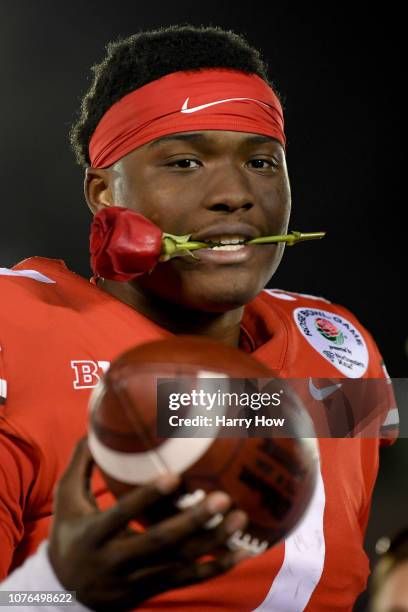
(120, 190)
(153, 205)
(275, 200)
(282, 195)
(157, 202)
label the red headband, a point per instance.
(210, 99)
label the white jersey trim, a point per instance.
(289, 296)
(3, 389)
(303, 563)
(33, 274)
(392, 418)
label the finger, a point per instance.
(73, 495)
(164, 577)
(132, 504)
(136, 587)
(130, 590)
(172, 531)
(214, 540)
(204, 571)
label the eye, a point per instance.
(185, 164)
(262, 164)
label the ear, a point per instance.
(97, 189)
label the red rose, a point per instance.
(123, 244)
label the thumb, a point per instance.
(73, 495)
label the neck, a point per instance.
(224, 327)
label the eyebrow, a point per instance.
(193, 137)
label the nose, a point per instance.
(228, 190)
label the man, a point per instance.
(182, 126)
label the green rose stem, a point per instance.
(291, 238)
(176, 246)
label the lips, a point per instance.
(222, 233)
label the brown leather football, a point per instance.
(270, 476)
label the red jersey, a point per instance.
(58, 334)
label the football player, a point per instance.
(183, 126)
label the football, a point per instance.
(270, 473)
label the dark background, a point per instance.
(339, 69)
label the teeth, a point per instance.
(231, 241)
(227, 239)
(228, 247)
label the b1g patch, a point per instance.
(335, 338)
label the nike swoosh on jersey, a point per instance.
(194, 109)
(321, 394)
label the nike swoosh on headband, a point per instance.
(194, 109)
(321, 394)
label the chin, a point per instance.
(225, 288)
(222, 299)
(209, 290)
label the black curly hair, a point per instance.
(144, 57)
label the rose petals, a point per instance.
(123, 244)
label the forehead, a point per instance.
(214, 137)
